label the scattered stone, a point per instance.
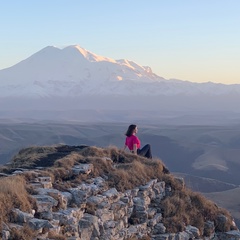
(82, 169)
(21, 217)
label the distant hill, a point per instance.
(205, 185)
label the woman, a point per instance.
(133, 143)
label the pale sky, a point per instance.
(194, 40)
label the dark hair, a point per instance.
(130, 130)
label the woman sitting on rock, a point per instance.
(133, 143)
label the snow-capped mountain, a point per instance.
(74, 71)
(73, 83)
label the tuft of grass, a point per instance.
(24, 233)
(134, 174)
(186, 207)
(13, 194)
(101, 166)
(69, 161)
(4, 169)
(92, 152)
(170, 180)
(209, 210)
(141, 238)
(56, 236)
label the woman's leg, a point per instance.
(145, 151)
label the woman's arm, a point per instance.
(135, 149)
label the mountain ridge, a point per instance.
(75, 71)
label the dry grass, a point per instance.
(118, 156)
(28, 157)
(31, 174)
(4, 169)
(134, 174)
(189, 208)
(137, 238)
(130, 171)
(25, 233)
(13, 194)
(69, 161)
(56, 236)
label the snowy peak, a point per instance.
(135, 67)
(76, 49)
(48, 52)
(71, 53)
(76, 53)
(75, 64)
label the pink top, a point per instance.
(130, 141)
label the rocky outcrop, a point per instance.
(95, 207)
(94, 211)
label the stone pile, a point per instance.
(92, 211)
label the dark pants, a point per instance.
(145, 151)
